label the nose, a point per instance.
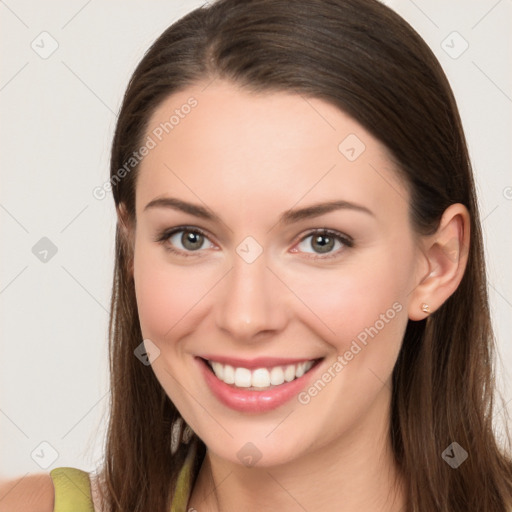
(253, 303)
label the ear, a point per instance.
(446, 253)
(126, 228)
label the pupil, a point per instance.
(324, 247)
(191, 239)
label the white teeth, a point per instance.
(260, 377)
(242, 378)
(277, 376)
(289, 373)
(228, 374)
(218, 369)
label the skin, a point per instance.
(248, 158)
(30, 493)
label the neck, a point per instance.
(354, 472)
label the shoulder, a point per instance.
(29, 493)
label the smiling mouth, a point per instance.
(260, 379)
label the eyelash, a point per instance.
(164, 236)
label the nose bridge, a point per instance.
(250, 302)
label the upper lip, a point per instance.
(259, 362)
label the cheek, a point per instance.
(362, 315)
(168, 294)
(363, 301)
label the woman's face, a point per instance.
(255, 283)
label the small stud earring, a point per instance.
(425, 308)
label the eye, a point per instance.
(183, 240)
(323, 241)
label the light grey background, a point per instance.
(57, 118)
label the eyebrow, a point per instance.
(288, 217)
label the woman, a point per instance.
(299, 314)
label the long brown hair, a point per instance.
(365, 59)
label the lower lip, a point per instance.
(245, 400)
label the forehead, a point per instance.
(238, 150)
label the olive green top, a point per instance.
(73, 488)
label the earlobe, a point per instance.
(446, 252)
